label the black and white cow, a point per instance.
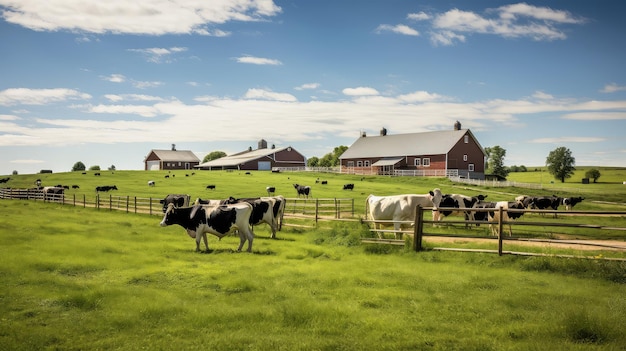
(270, 190)
(458, 201)
(179, 200)
(219, 221)
(262, 211)
(151, 183)
(348, 186)
(304, 190)
(570, 202)
(53, 193)
(491, 216)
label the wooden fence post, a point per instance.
(418, 228)
(500, 227)
(135, 204)
(317, 210)
(84, 201)
(150, 199)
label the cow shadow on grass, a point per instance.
(232, 251)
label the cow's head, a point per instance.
(435, 197)
(168, 217)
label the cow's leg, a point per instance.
(273, 227)
(398, 230)
(206, 244)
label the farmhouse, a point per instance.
(170, 159)
(440, 153)
(261, 159)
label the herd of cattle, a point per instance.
(221, 217)
(401, 208)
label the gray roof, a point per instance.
(240, 158)
(177, 155)
(398, 145)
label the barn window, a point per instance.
(350, 163)
(470, 167)
(466, 139)
(418, 162)
(464, 157)
(366, 163)
(426, 162)
(359, 163)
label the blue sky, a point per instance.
(105, 82)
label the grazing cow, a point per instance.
(348, 186)
(219, 221)
(178, 200)
(544, 202)
(38, 182)
(458, 201)
(262, 211)
(97, 174)
(490, 216)
(270, 190)
(570, 202)
(324, 182)
(399, 208)
(4, 180)
(166, 176)
(106, 188)
(211, 186)
(53, 193)
(279, 210)
(303, 190)
(151, 183)
(75, 187)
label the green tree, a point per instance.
(214, 155)
(94, 168)
(112, 168)
(560, 163)
(78, 166)
(593, 174)
(14, 172)
(495, 161)
(313, 161)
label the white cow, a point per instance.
(399, 208)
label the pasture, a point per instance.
(79, 278)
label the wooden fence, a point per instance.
(500, 225)
(296, 207)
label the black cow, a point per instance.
(303, 190)
(348, 186)
(179, 200)
(4, 180)
(219, 221)
(106, 188)
(75, 187)
(210, 187)
(570, 202)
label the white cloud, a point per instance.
(399, 29)
(115, 78)
(360, 91)
(420, 16)
(153, 17)
(596, 116)
(419, 96)
(27, 96)
(144, 111)
(565, 140)
(542, 96)
(146, 84)
(8, 118)
(258, 60)
(159, 55)
(612, 88)
(511, 21)
(308, 86)
(268, 95)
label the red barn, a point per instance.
(170, 159)
(440, 153)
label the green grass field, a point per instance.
(85, 279)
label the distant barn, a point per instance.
(170, 159)
(261, 159)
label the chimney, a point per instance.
(262, 144)
(363, 134)
(383, 131)
(249, 148)
(173, 147)
(457, 125)
(273, 146)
